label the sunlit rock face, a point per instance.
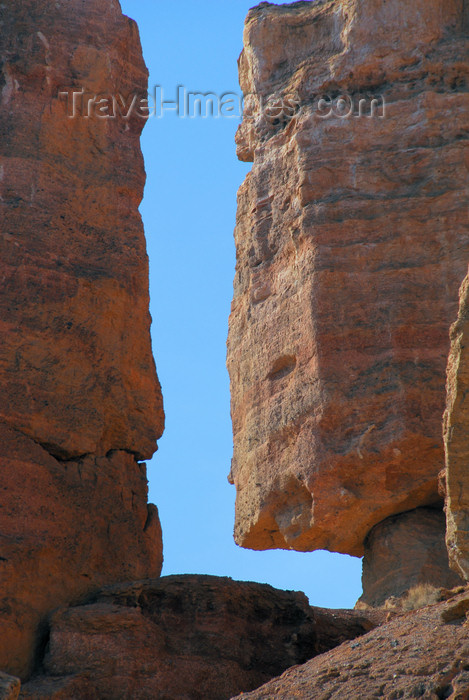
(352, 239)
(76, 366)
(456, 433)
(80, 402)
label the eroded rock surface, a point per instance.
(185, 637)
(76, 366)
(424, 654)
(352, 237)
(80, 401)
(405, 551)
(65, 528)
(456, 434)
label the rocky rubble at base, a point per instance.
(422, 654)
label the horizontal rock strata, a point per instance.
(80, 402)
(352, 237)
(186, 637)
(456, 433)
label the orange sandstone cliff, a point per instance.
(80, 402)
(352, 239)
(83, 613)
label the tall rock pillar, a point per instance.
(80, 402)
(352, 237)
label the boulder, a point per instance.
(9, 687)
(403, 552)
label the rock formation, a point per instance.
(405, 551)
(80, 403)
(185, 637)
(78, 376)
(456, 433)
(424, 654)
(352, 238)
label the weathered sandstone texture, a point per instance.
(404, 551)
(65, 528)
(352, 238)
(80, 402)
(424, 654)
(456, 434)
(186, 637)
(76, 366)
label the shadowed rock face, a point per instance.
(185, 637)
(421, 655)
(456, 434)
(404, 551)
(352, 238)
(80, 401)
(66, 528)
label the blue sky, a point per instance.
(189, 214)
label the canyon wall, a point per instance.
(80, 404)
(352, 239)
(456, 433)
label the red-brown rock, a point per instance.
(80, 401)
(424, 654)
(76, 366)
(66, 528)
(405, 551)
(352, 237)
(456, 434)
(185, 637)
